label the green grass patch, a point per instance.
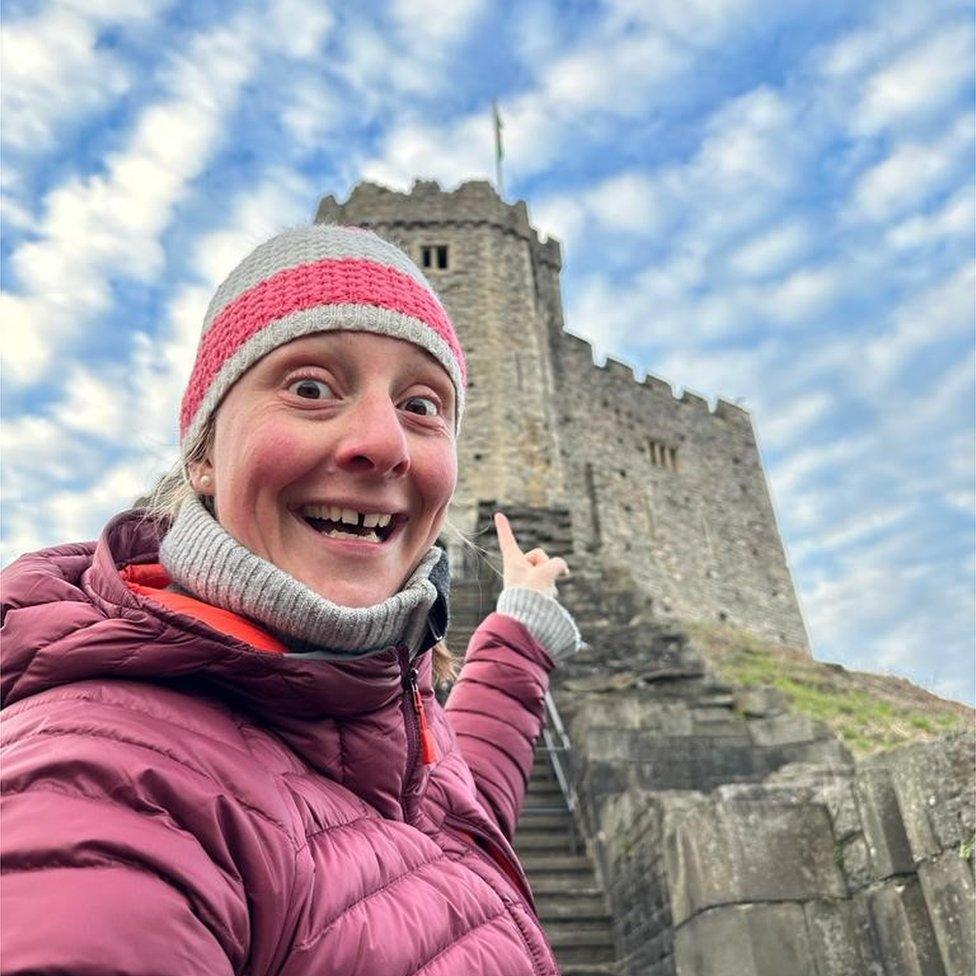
(866, 718)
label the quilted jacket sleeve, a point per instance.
(496, 710)
(117, 847)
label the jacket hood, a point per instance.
(69, 617)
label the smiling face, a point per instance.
(337, 420)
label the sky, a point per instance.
(772, 203)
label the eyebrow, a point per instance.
(422, 368)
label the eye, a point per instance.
(309, 389)
(427, 406)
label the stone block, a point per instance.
(856, 863)
(902, 930)
(947, 884)
(698, 762)
(781, 730)
(838, 797)
(761, 702)
(745, 940)
(934, 784)
(750, 852)
(840, 939)
(882, 822)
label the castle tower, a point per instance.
(663, 488)
(481, 256)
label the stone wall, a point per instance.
(737, 839)
(675, 492)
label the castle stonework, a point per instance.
(661, 486)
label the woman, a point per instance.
(222, 750)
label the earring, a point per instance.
(205, 481)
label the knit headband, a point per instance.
(321, 278)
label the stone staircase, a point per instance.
(568, 895)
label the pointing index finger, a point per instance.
(506, 538)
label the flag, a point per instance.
(499, 151)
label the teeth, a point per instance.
(339, 534)
(335, 513)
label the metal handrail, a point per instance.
(558, 747)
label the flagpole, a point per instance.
(497, 123)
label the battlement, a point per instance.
(474, 202)
(616, 370)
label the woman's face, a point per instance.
(337, 422)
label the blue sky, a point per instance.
(771, 203)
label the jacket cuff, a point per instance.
(545, 618)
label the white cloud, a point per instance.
(846, 532)
(771, 251)
(625, 202)
(425, 151)
(955, 218)
(944, 310)
(104, 226)
(438, 24)
(312, 110)
(299, 28)
(617, 71)
(920, 82)
(696, 22)
(54, 70)
(798, 468)
(912, 172)
(84, 482)
(615, 75)
(787, 424)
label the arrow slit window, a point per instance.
(433, 257)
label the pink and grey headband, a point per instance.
(320, 278)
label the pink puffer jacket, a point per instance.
(175, 801)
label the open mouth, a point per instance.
(337, 523)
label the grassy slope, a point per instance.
(870, 712)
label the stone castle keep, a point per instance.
(657, 484)
(676, 824)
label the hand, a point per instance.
(534, 569)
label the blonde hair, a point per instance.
(175, 487)
(163, 503)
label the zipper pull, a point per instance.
(428, 748)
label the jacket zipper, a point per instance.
(420, 739)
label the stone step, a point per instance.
(533, 820)
(543, 865)
(550, 803)
(528, 842)
(583, 954)
(545, 788)
(566, 905)
(568, 932)
(589, 969)
(565, 886)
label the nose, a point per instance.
(374, 439)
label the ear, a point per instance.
(202, 477)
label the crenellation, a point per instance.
(694, 400)
(661, 485)
(618, 369)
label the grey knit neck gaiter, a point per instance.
(203, 558)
